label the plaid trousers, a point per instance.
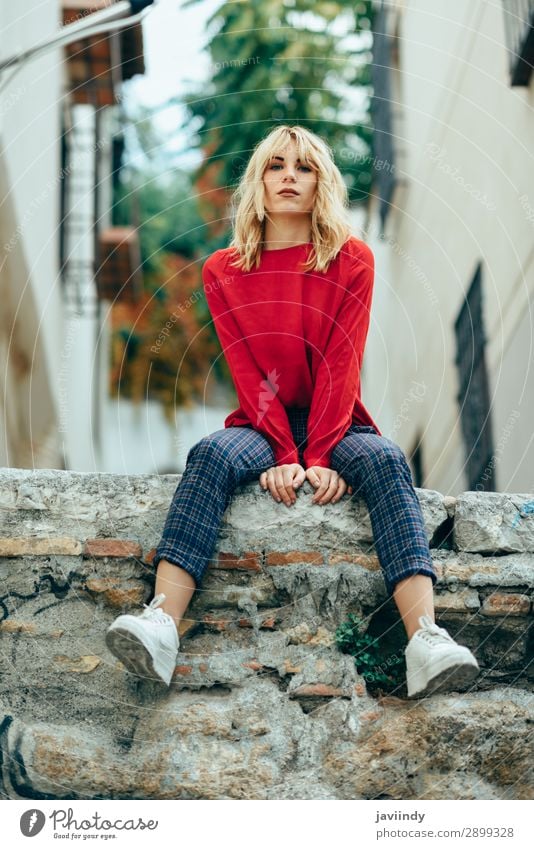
(373, 465)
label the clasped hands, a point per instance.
(282, 481)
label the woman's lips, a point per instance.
(288, 192)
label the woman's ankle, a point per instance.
(177, 585)
(174, 616)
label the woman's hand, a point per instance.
(329, 485)
(282, 481)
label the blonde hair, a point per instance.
(330, 224)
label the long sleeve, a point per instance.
(255, 390)
(337, 381)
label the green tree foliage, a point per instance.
(156, 197)
(277, 61)
(272, 61)
(161, 348)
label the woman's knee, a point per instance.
(386, 453)
(208, 448)
(385, 449)
(373, 453)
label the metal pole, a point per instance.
(114, 17)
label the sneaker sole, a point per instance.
(133, 654)
(452, 678)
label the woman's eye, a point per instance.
(277, 165)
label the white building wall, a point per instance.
(469, 161)
(80, 325)
(54, 341)
(29, 180)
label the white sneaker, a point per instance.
(435, 662)
(147, 645)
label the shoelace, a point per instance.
(431, 632)
(153, 612)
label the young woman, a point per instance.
(291, 298)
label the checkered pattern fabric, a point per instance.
(373, 465)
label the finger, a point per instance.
(281, 485)
(271, 483)
(322, 488)
(330, 492)
(313, 477)
(341, 489)
(330, 489)
(299, 476)
(263, 481)
(287, 475)
(285, 488)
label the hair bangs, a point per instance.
(330, 223)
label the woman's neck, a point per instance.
(286, 233)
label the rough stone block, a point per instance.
(117, 594)
(462, 600)
(22, 546)
(249, 561)
(111, 548)
(506, 604)
(494, 522)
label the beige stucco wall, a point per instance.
(468, 197)
(31, 308)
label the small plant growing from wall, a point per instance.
(380, 671)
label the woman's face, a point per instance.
(285, 173)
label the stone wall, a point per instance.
(263, 704)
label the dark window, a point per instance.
(381, 110)
(117, 160)
(63, 199)
(519, 34)
(473, 396)
(416, 460)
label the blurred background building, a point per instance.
(116, 176)
(61, 258)
(451, 222)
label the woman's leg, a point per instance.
(249, 453)
(378, 471)
(215, 466)
(148, 644)
(413, 594)
(414, 597)
(177, 585)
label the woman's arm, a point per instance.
(255, 390)
(337, 382)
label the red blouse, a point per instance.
(294, 339)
